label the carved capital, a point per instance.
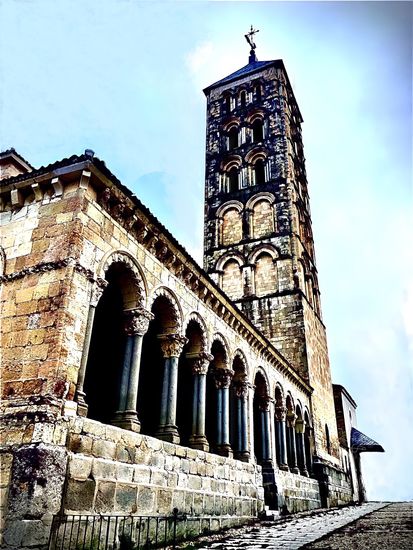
(97, 290)
(137, 321)
(172, 344)
(280, 413)
(291, 418)
(264, 403)
(223, 378)
(300, 426)
(241, 388)
(199, 362)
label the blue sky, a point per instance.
(125, 78)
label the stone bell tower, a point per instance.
(258, 243)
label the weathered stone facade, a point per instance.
(132, 384)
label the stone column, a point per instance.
(199, 364)
(299, 437)
(222, 382)
(136, 325)
(171, 345)
(280, 415)
(291, 418)
(80, 396)
(265, 429)
(241, 391)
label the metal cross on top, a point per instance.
(249, 37)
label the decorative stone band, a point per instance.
(97, 291)
(137, 321)
(280, 413)
(223, 378)
(199, 362)
(49, 266)
(172, 344)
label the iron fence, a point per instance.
(102, 532)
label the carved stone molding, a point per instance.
(300, 426)
(241, 388)
(172, 344)
(137, 321)
(291, 418)
(223, 377)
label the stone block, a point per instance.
(141, 474)
(126, 498)
(178, 500)
(164, 501)
(159, 477)
(105, 497)
(194, 482)
(198, 504)
(125, 472)
(104, 469)
(125, 453)
(80, 467)
(80, 443)
(80, 495)
(104, 449)
(146, 500)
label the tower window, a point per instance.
(328, 442)
(243, 98)
(233, 138)
(233, 180)
(259, 172)
(257, 130)
(228, 103)
(258, 92)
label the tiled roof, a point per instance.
(250, 68)
(361, 442)
(12, 151)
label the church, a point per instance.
(138, 383)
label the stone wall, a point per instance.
(299, 493)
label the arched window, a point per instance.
(231, 227)
(228, 103)
(258, 92)
(243, 98)
(328, 442)
(233, 138)
(231, 280)
(233, 184)
(265, 275)
(259, 172)
(257, 130)
(262, 218)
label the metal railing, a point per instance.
(103, 532)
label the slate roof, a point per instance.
(250, 68)
(362, 443)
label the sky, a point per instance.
(125, 79)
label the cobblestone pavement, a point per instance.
(293, 532)
(390, 528)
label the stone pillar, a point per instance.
(265, 430)
(291, 418)
(280, 416)
(171, 345)
(136, 325)
(222, 382)
(299, 438)
(80, 396)
(241, 391)
(199, 364)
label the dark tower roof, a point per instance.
(244, 71)
(361, 442)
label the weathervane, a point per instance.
(249, 38)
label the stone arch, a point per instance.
(267, 248)
(261, 421)
(195, 317)
(230, 162)
(235, 256)
(227, 206)
(279, 395)
(241, 356)
(218, 337)
(289, 402)
(256, 153)
(231, 277)
(308, 441)
(258, 197)
(175, 322)
(238, 407)
(261, 213)
(136, 296)
(265, 278)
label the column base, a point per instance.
(127, 420)
(168, 433)
(284, 467)
(224, 450)
(82, 406)
(294, 470)
(304, 473)
(243, 456)
(199, 442)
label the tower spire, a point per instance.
(249, 37)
